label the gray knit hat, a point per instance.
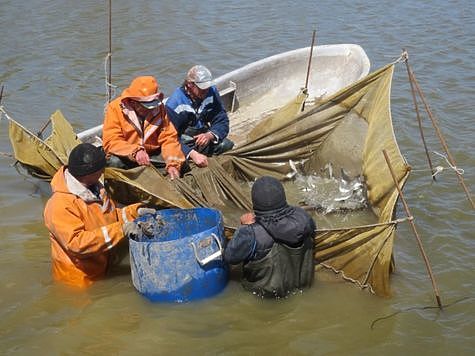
(268, 194)
(86, 159)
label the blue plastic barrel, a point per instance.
(183, 260)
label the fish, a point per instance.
(351, 189)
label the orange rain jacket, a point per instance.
(123, 135)
(83, 230)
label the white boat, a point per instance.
(260, 87)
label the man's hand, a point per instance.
(173, 172)
(199, 159)
(142, 158)
(248, 219)
(203, 139)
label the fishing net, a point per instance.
(42, 158)
(347, 132)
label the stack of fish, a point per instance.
(329, 194)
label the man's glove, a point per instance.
(132, 230)
(145, 211)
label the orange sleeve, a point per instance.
(170, 146)
(113, 136)
(66, 224)
(128, 213)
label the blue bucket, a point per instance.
(183, 260)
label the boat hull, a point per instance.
(260, 87)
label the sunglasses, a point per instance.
(150, 104)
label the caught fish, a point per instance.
(328, 195)
(351, 189)
(294, 171)
(150, 227)
(293, 166)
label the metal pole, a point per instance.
(441, 137)
(418, 239)
(416, 106)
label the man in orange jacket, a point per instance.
(136, 127)
(85, 225)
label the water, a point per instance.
(52, 56)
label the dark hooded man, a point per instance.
(274, 243)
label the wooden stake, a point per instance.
(441, 137)
(109, 56)
(309, 65)
(416, 107)
(40, 133)
(418, 239)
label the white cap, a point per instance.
(201, 76)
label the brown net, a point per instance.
(349, 130)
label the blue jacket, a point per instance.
(208, 114)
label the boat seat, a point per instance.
(229, 97)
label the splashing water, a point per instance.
(330, 194)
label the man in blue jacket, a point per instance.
(198, 114)
(274, 243)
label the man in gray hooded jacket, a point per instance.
(275, 243)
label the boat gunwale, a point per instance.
(253, 67)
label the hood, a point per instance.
(64, 182)
(143, 89)
(58, 183)
(289, 225)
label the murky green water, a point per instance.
(52, 56)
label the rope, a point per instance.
(106, 82)
(392, 222)
(457, 170)
(3, 112)
(6, 154)
(402, 58)
(348, 279)
(440, 169)
(419, 308)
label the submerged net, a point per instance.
(345, 133)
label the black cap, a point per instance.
(268, 194)
(86, 159)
